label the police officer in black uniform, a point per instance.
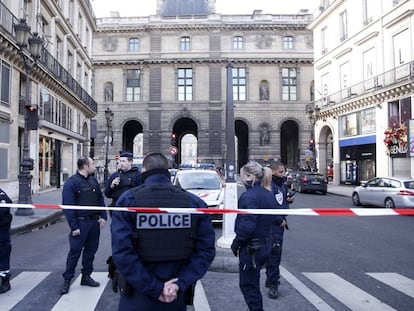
(161, 256)
(82, 189)
(5, 244)
(252, 242)
(125, 178)
(283, 198)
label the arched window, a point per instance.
(109, 92)
(288, 42)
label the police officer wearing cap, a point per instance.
(125, 178)
(161, 256)
(283, 199)
(252, 243)
(5, 244)
(82, 189)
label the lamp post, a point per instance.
(29, 57)
(230, 191)
(312, 113)
(109, 117)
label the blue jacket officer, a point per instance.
(252, 243)
(5, 244)
(160, 256)
(283, 199)
(82, 189)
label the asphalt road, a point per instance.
(329, 263)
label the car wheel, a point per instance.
(389, 203)
(355, 199)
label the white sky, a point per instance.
(128, 8)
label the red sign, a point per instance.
(117, 157)
(173, 150)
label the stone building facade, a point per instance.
(60, 86)
(165, 76)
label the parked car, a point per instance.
(310, 182)
(290, 175)
(389, 192)
(206, 184)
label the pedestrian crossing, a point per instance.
(90, 298)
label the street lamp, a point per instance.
(29, 57)
(109, 115)
(312, 113)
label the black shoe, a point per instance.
(65, 287)
(270, 284)
(273, 292)
(88, 281)
(5, 283)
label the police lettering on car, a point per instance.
(163, 221)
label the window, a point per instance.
(185, 84)
(133, 89)
(288, 42)
(367, 9)
(399, 112)
(185, 43)
(288, 83)
(343, 26)
(239, 83)
(237, 43)
(324, 32)
(5, 83)
(133, 45)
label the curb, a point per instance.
(38, 224)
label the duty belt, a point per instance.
(89, 217)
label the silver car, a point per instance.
(389, 192)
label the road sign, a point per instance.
(173, 150)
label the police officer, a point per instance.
(82, 189)
(122, 180)
(283, 199)
(5, 244)
(252, 243)
(161, 256)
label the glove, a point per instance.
(235, 247)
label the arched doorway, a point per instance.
(242, 143)
(185, 138)
(130, 137)
(289, 144)
(325, 149)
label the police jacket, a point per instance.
(254, 226)
(5, 216)
(148, 277)
(128, 180)
(280, 191)
(83, 191)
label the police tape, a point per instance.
(190, 210)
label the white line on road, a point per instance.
(21, 286)
(398, 281)
(83, 298)
(347, 293)
(314, 299)
(200, 299)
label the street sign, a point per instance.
(173, 150)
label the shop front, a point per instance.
(357, 160)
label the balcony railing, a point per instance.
(394, 76)
(7, 21)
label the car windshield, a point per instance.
(198, 180)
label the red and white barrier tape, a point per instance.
(297, 212)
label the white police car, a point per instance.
(206, 184)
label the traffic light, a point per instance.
(173, 139)
(311, 144)
(32, 116)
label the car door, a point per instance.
(368, 196)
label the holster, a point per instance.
(189, 295)
(253, 248)
(118, 280)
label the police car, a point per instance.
(206, 184)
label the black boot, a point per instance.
(88, 281)
(273, 292)
(5, 283)
(65, 287)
